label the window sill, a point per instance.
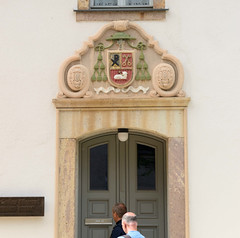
(113, 14)
(126, 9)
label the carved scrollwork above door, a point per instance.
(121, 61)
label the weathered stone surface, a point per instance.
(66, 188)
(113, 16)
(176, 188)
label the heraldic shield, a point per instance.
(121, 67)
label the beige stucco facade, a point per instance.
(37, 36)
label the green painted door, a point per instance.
(132, 172)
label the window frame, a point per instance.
(87, 12)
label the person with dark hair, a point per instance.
(118, 210)
(129, 225)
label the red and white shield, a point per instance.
(121, 65)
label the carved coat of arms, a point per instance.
(120, 67)
(122, 64)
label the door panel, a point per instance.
(146, 184)
(98, 186)
(132, 172)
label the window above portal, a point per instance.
(121, 3)
(112, 10)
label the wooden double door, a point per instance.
(132, 172)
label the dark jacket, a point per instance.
(117, 230)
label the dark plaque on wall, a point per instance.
(21, 206)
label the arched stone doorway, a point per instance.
(95, 97)
(79, 119)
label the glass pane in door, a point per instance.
(145, 167)
(99, 167)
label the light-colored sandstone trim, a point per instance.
(122, 26)
(187, 229)
(176, 188)
(56, 218)
(61, 73)
(157, 4)
(67, 188)
(121, 103)
(140, 15)
(83, 4)
(180, 80)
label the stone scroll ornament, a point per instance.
(165, 81)
(77, 78)
(121, 59)
(77, 82)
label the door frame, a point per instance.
(78, 119)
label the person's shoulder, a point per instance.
(136, 234)
(141, 235)
(117, 232)
(118, 229)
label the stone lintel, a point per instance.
(63, 103)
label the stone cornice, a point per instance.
(113, 103)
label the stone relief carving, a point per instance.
(121, 60)
(77, 82)
(120, 25)
(77, 77)
(163, 76)
(118, 90)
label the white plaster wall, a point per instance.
(36, 36)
